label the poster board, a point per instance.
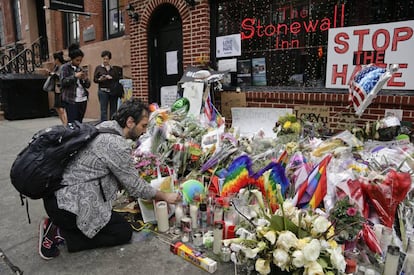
(168, 95)
(193, 91)
(230, 100)
(251, 120)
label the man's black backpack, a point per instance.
(38, 168)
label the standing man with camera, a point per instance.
(74, 84)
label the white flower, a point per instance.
(312, 250)
(337, 258)
(270, 236)
(262, 266)
(259, 197)
(314, 268)
(262, 222)
(227, 242)
(289, 208)
(298, 259)
(250, 252)
(286, 240)
(236, 247)
(280, 258)
(321, 224)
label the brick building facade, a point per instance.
(198, 25)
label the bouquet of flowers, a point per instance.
(290, 240)
(347, 219)
(149, 166)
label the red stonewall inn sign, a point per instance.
(293, 24)
(381, 44)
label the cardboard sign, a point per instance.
(312, 113)
(230, 100)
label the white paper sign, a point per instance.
(168, 95)
(381, 44)
(227, 65)
(251, 120)
(172, 63)
(229, 45)
(193, 91)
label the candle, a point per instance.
(218, 236)
(161, 210)
(179, 214)
(194, 215)
(391, 260)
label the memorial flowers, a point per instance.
(347, 219)
(289, 240)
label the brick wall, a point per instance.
(196, 37)
(341, 116)
(196, 43)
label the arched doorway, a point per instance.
(165, 46)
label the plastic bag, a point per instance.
(50, 83)
(387, 195)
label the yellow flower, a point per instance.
(271, 236)
(303, 242)
(287, 125)
(262, 266)
(333, 243)
(314, 268)
(331, 232)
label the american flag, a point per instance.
(364, 87)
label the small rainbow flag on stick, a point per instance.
(238, 176)
(283, 159)
(267, 181)
(313, 190)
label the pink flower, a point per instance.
(351, 211)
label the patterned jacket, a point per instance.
(68, 82)
(105, 163)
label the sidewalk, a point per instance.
(18, 238)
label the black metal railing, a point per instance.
(19, 59)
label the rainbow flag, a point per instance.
(213, 116)
(283, 159)
(238, 176)
(267, 180)
(313, 190)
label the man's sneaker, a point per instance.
(47, 240)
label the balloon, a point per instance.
(366, 84)
(192, 189)
(181, 104)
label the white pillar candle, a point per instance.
(194, 215)
(179, 214)
(161, 210)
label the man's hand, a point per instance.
(168, 197)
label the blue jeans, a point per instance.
(106, 99)
(75, 111)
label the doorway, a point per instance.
(165, 46)
(41, 26)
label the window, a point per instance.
(17, 19)
(72, 28)
(289, 38)
(115, 19)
